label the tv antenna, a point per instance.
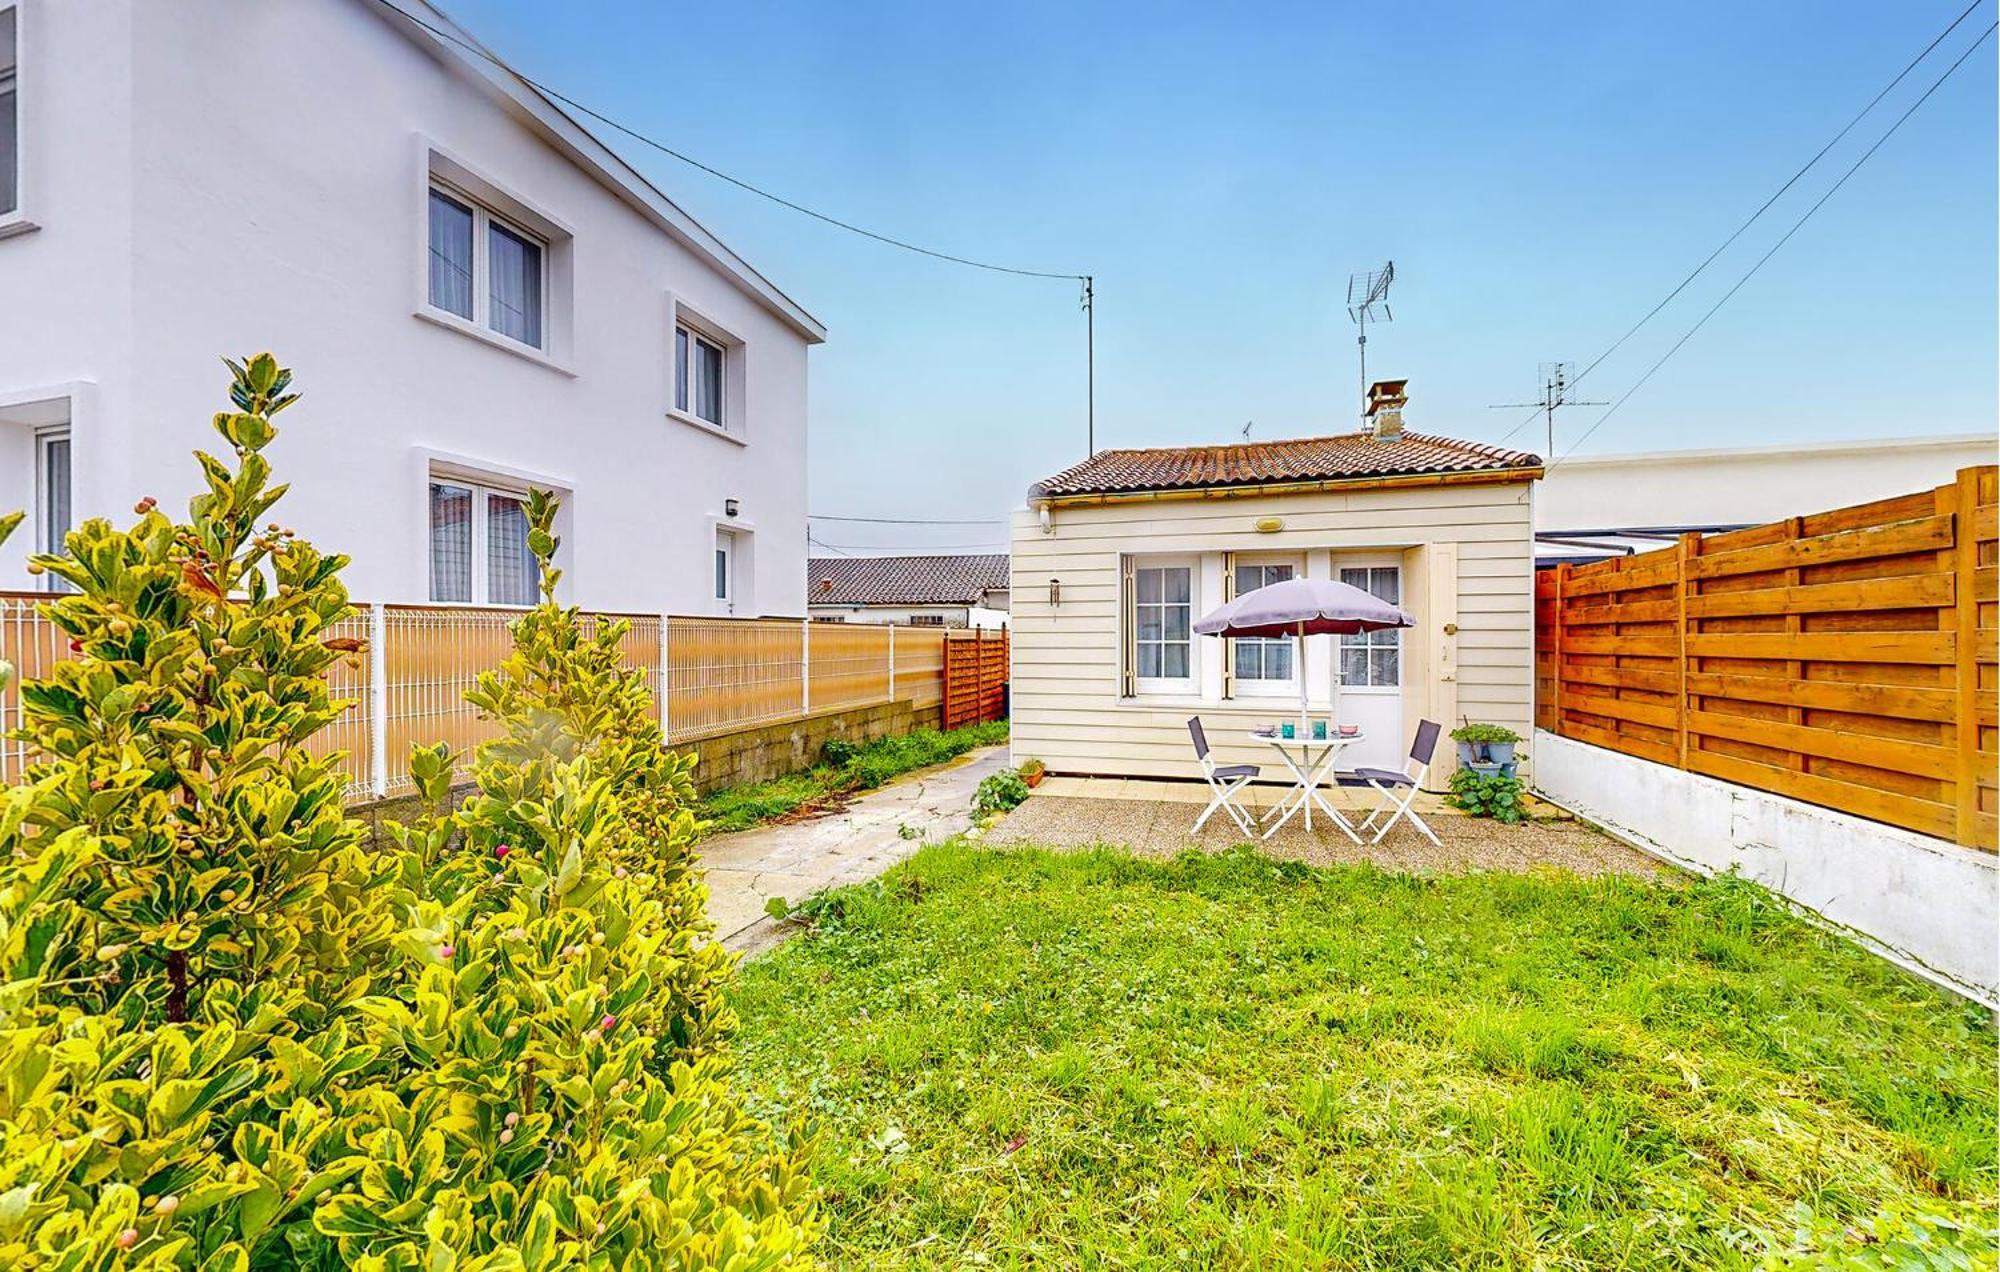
(1247, 426)
(1556, 377)
(1368, 292)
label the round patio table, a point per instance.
(1308, 775)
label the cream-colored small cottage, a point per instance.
(1114, 559)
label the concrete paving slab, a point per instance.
(795, 860)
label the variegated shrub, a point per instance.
(230, 1037)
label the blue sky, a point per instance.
(1540, 173)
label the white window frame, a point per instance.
(722, 568)
(18, 77)
(686, 322)
(1169, 686)
(45, 541)
(480, 589)
(484, 219)
(686, 380)
(1256, 687)
(1388, 638)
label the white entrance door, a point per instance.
(1371, 673)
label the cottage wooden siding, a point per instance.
(1467, 556)
(1845, 658)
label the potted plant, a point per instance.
(1485, 744)
(1033, 771)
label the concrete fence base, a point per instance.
(757, 755)
(731, 759)
(1926, 904)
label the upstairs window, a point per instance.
(10, 114)
(479, 545)
(485, 270)
(698, 375)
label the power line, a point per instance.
(1755, 216)
(738, 182)
(1796, 225)
(909, 521)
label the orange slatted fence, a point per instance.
(715, 676)
(975, 677)
(1845, 658)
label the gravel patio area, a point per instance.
(1152, 819)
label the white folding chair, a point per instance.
(1409, 779)
(1224, 779)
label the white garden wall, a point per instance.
(1927, 904)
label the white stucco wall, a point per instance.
(268, 192)
(1745, 486)
(1928, 904)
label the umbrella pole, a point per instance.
(1333, 671)
(1305, 728)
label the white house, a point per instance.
(1116, 557)
(476, 294)
(938, 590)
(1596, 506)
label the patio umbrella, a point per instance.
(1302, 608)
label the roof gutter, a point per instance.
(1340, 485)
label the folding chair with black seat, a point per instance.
(1409, 779)
(1226, 780)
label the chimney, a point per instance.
(1385, 409)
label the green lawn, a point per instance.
(1085, 1060)
(848, 769)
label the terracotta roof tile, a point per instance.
(904, 580)
(1346, 455)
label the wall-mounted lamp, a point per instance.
(1055, 593)
(729, 507)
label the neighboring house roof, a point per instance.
(1343, 457)
(431, 29)
(904, 580)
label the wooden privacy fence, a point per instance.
(715, 676)
(975, 678)
(1845, 658)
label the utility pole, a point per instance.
(1555, 393)
(1090, 362)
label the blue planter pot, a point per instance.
(1501, 753)
(1468, 754)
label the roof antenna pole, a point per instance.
(1365, 291)
(1555, 377)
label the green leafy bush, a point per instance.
(1495, 795)
(232, 1039)
(838, 751)
(999, 792)
(1483, 734)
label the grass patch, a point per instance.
(1085, 1060)
(868, 765)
